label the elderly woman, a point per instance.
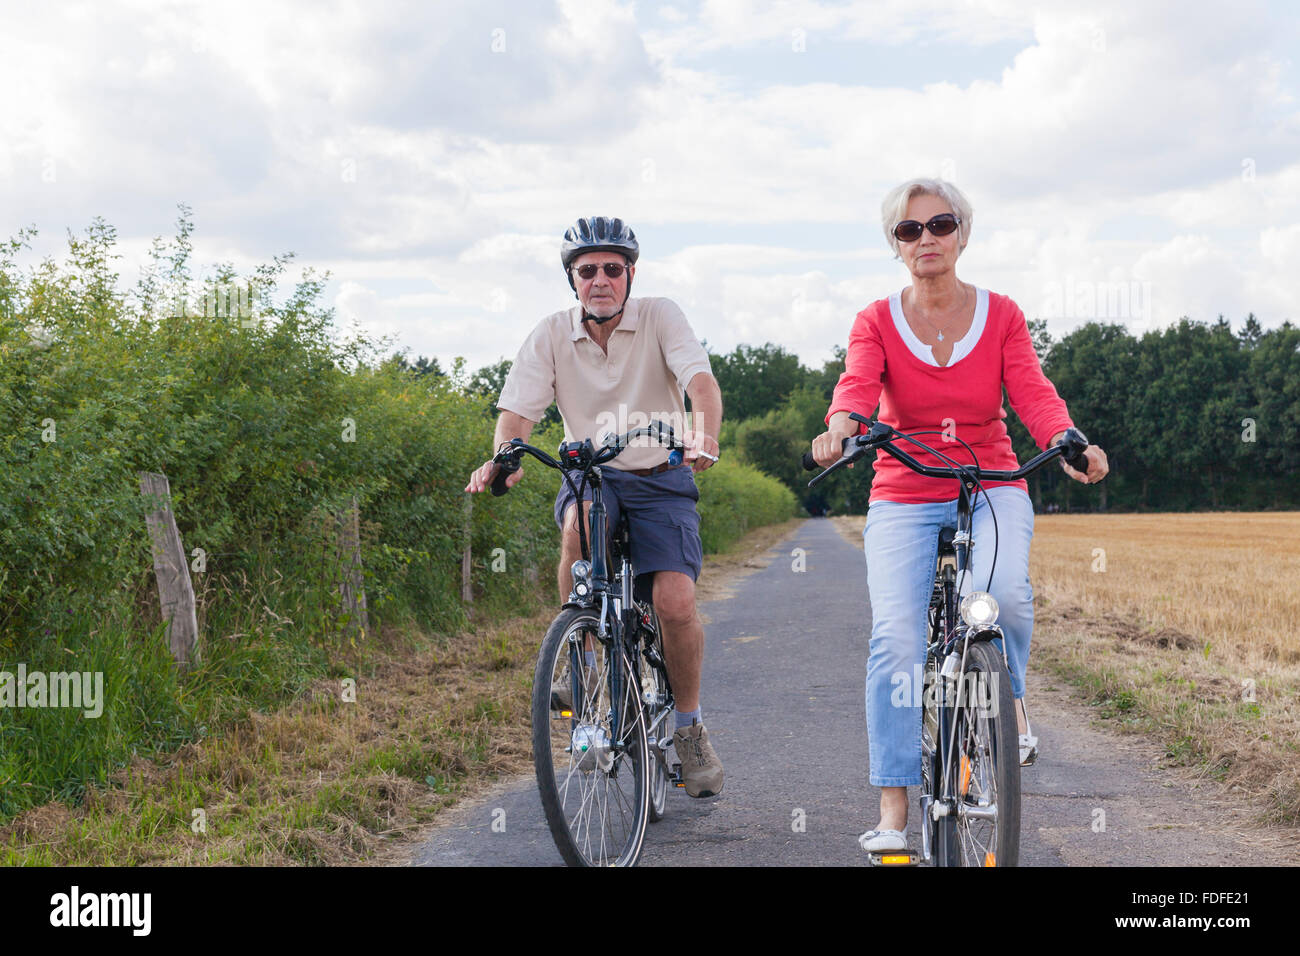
(936, 356)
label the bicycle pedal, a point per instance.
(894, 858)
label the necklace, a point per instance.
(962, 310)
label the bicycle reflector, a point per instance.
(979, 609)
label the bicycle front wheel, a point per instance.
(592, 770)
(987, 786)
(656, 695)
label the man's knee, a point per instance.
(674, 598)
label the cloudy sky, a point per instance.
(1135, 162)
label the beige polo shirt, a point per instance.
(653, 355)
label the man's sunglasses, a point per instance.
(909, 230)
(612, 269)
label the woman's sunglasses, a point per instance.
(909, 230)
(612, 269)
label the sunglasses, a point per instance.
(909, 230)
(612, 269)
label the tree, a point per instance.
(488, 382)
(755, 381)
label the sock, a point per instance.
(590, 657)
(684, 718)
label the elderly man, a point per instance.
(610, 360)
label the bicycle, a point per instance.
(970, 756)
(601, 755)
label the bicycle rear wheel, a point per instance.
(593, 777)
(986, 822)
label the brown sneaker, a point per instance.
(701, 768)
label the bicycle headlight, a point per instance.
(979, 609)
(581, 571)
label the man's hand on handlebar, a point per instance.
(701, 450)
(481, 480)
(1098, 466)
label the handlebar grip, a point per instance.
(1075, 439)
(810, 463)
(506, 469)
(1079, 462)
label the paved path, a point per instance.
(784, 706)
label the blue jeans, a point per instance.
(901, 543)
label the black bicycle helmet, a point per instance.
(599, 234)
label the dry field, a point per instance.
(1183, 627)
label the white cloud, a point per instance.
(431, 157)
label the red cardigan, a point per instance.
(916, 396)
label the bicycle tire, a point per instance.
(594, 789)
(988, 778)
(654, 683)
(931, 771)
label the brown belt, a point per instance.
(657, 469)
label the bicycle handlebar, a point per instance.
(880, 435)
(579, 455)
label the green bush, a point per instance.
(266, 430)
(735, 498)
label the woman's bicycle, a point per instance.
(601, 698)
(970, 756)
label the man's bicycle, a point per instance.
(601, 698)
(970, 756)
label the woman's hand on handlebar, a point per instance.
(829, 446)
(1098, 465)
(481, 479)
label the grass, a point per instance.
(323, 781)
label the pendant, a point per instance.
(940, 336)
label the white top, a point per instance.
(960, 349)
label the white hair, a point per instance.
(894, 209)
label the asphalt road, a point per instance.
(783, 701)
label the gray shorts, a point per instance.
(663, 525)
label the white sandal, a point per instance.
(880, 841)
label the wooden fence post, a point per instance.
(466, 559)
(352, 584)
(175, 591)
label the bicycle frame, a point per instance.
(949, 641)
(619, 629)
